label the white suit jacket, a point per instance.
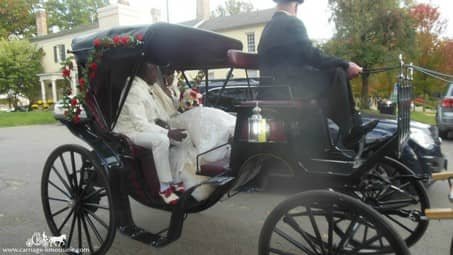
(140, 111)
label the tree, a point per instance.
(20, 62)
(430, 50)
(371, 33)
(16, 18)
(67, 14)
(233, 7)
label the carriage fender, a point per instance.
(254, 165)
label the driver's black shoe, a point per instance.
(358, 132)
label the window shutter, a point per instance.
(55, 54)
(63, 52)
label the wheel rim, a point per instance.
(398, 197)
(77, 202)
(327, 227)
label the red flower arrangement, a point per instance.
(73, 104)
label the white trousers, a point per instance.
(160, 146)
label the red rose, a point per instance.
(78, 111)
(139, 37)
(94, 66)
(97, 42)
(116, 39)
(82, 82)
(193, 94)
(74, 101)
(92, 75)
(66, 73)
(125, 40)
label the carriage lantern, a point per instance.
(258, 126)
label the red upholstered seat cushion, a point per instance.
(239, 59)
(214, 168)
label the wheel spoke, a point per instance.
(60, 189)
(352, 228)
(293, 242)
(89, 184)
(74, 172)
(96, 232)
(315, 228)
(401, 187)
(400, 224)
(71, 232)
(96, 192)
(288, 219)
(329, 218)
(87, 233)
(97, 218)
(58, 199)
(62, 180)
(65, 220)
(96, 205)
(279, 252)
(65, 168)
(367, 243)
(60, 211)
(79, 228)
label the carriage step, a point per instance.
(141, 235)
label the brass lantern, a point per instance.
(258, 126)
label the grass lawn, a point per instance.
(424, 117)
(11, 119)
(428, 118)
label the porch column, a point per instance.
(54, 90)
(74, 83)
(43, 91)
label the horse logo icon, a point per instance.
(38, 239)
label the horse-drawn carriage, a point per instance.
(365, 198)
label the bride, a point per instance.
(206, 128)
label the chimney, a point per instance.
(203, 9)
(155, 15)
(41, 22)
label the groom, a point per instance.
(137, 120)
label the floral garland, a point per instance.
(73, 104)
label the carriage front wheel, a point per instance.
(327, 223)
(77, 201)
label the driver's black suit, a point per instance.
(288, 58)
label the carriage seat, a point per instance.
(239, 59)
(215, 168)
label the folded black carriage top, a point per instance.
(180, 46)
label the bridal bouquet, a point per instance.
(190, 98)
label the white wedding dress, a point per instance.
(206, 128)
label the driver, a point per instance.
(289, 58)
(138, 121)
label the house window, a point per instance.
(59, 53)
(251, 42)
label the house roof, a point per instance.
(75, 30)
(235, 21)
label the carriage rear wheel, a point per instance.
(327, 223)
(394, 192)
(77, 201)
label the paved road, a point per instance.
(231, 227)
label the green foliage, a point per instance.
(371, 33)
(11, 119)
(67, 14)
(20, 62)
(16, 18)
(233, 7)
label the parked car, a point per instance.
(422, 153)
(386, 106)
(444, 114)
